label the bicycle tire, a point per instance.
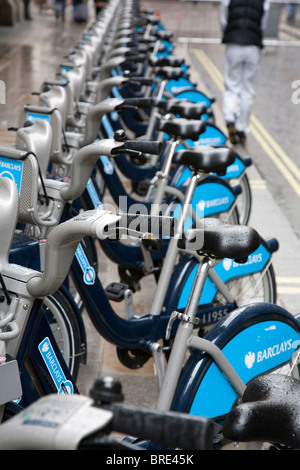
(244, 200)
(231, 217)
(63, 322)
(253, 288)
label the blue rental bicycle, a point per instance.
(265, 334)
(173, 286)
(237, 350)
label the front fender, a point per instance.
(256, 339)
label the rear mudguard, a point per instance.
(256, 339)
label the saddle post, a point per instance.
(169, 262)
(154, 114)
(161, 179)
(184, 339)
(183, 333)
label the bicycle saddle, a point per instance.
(169, 72)
(216, 239)
(171, 61)
(270, 412)
(208, 159)
(164, 34)
(186, 129)
(185, 109)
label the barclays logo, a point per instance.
(252, 259)
(267, 353)
(250, 359)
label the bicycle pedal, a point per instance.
(153, 245)
(141, 188)
(116, 291)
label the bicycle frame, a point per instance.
(118, 334)
(145, 326)
(134, 172)
(25, 334)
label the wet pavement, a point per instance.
(30, 52)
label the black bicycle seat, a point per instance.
(164, 34)
(208, 159)
(185, 109)
(184, 128)
(216, 239)
(171, 61)
(169, 72)
(270, 412)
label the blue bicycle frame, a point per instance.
(41, 365)
(225, 202)
(212, 136)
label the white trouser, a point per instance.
(241, 64)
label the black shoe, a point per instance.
(241, 137)
(232, 133)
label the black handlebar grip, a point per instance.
(138, 102)
(175, 430)
(159, 226)
(141, 81)
(151, 147)
(134, 59)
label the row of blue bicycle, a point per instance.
(121, 103)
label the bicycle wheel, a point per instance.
(62, 320)
(244, 200)
(256, 287)
(231, 217)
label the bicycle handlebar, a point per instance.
(158, 226)
(137, 102)
(63, 241)
(73, 422)
(169, 429)
(85, 159)
(151, 147)
(134, 59)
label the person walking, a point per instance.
(26, 10)
(243, 23)
(60, 7)
(291, 12)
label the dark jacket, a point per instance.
(244, 23)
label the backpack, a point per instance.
(81, 13)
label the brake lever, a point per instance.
(120, 150)
(124, 106)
